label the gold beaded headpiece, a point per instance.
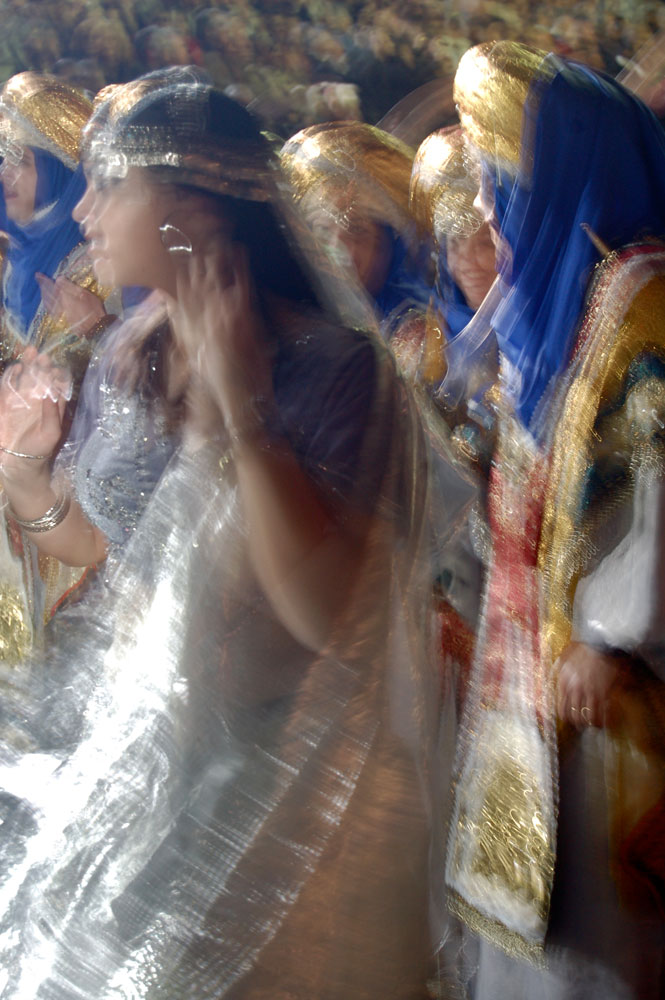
(42, 112)
(179, 147)
(444, 184)
(491, 87)
(358, 159)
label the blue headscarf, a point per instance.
(46, 240)
(598, 157)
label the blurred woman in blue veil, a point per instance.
(48, 286)
(51, 300)
(443, 189)
(555, 855)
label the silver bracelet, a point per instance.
(22, 454)
(54, 516)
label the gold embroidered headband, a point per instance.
(182, 147)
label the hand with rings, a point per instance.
(587, 682)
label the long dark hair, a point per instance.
(273, 260)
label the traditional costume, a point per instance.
(351, 171)
(228, 813)
(555, 849)
(47, 116)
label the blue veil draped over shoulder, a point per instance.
(591, 153)
(43, 243)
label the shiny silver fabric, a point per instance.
(209, 809)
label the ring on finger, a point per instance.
(585, 712)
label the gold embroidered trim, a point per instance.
(509, 941)
(624, 318)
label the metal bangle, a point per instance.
(23, 454)
(54, 516)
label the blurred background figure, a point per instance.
(444, 186)
(555, 855)
(51, 301)
(352, 184)
(279, 49)
(158, 46)
(41, 125)
(443, 189)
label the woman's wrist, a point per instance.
(24, 477)
(253, 423)
(30, 498)
(54, 515)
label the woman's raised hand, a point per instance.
(219, 329)
(33, 396)
(76, 307)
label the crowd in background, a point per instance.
(306, 61)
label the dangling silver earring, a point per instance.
(174, 240)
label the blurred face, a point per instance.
(143, 232)
(19, 186)
(356, 240)
(368, 246)
(471, 261)
(121, 221)
(484, 205)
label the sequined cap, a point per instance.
(359, 159)
(491, 88)
(444, 184)
(42, 112)
(179, 141)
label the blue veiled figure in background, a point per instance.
(556, 848)
(40, 245)
(51, 302)
(545, 254)
(45, 254)
(444, 186)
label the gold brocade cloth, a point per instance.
(502, 847)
